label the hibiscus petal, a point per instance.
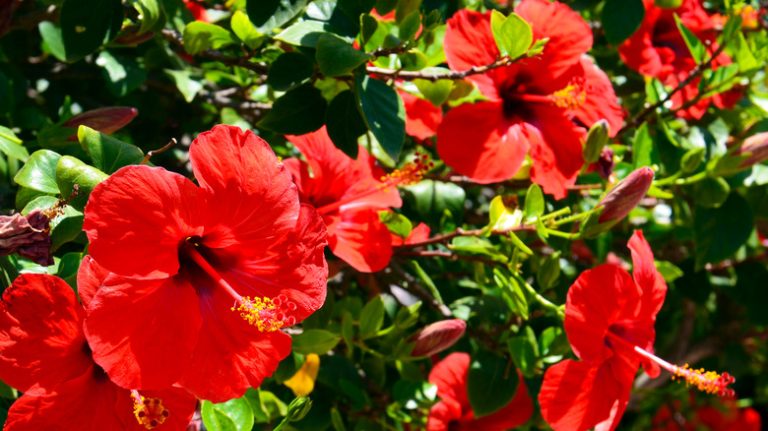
(143, 331)
(422, 117)
(597, 299)
(90, 277)
(154, 209)
(477, 141)
(359, 238)
(517, 412)
(600, 102)
(576, 396)
(179, 404)
(231, 355)
(252, 199)
(569, 35)
(556, 149)
(450, 377)
(41, 340)
(469, 42)
(647, 277)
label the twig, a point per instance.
(212, 54)
(437, 239)
(162, 149)
(408, 75)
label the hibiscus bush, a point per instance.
(393, 215)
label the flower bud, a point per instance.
(438, 336)
(298, 409)
(28, 236)
(106, 120)
(619, 201)
(605, 163)
(752, 151)
(596, 140)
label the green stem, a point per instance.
(544, 302)
(573, 218)
(570, 236)
(554, 214)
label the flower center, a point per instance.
(149, 412)
(572, 96)
(710, 382)
(411, 173)
(265, 313)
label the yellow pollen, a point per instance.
(266, 314)
(571, 97)
(149, 412)
(710, 382)
(411, 173)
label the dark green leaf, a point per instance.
(289, 70)
(304, 33)
(317, 341)
(697, 49)
(187, 86)
(620, 18)
(344, 123)
(371, 318)
(299, 111)
(491, 383)
(384, 113)
(642, 147)
(107, 153)
(269, 14)
(200, 36)
(39, 173)
(711, 192)
(720, 232)
(124, 73)
(87, 24)
(337, 57)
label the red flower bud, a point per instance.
(754, 149)
(106, 120)
(28, 236)
(438, 336)
(626, 195)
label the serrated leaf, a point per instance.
(720, 232)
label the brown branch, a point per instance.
(694, 73)
(176, 39)
(408, 75)
(442, 238)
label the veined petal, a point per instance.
(359, 238)
(469, 42)
(647, 277)
(600, 101)
(155, 210)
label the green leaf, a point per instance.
(246, 31)
(409, 26)
(711, 192)
(621, 18)
(371, 318)
(317, 341)
(289, 70)
(534, 202)
(501, 217)
(71, 172)
(124, 73)
(39, 173)
(697, 49)
(491, 383)
(266, 405)
(269, 14)
(150, 14)
(398, 224)
(669, 271)
(337, 57)
(52, 40)
(436, 92)
(513, 293)
(187, 86)
(642, 147)
(432, 198)
(233, 415)
(383, 112)
(549, 271)
(720, 232)
(107, 153)
(11, 146)
(513, 35)
(344, 123)
(87, 24)
(200, 36)
(299, 111)
(304, 33)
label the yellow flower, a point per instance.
(303, 382)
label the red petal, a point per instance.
(639, 51)
(516, 413)
(41, 337)
(231, 356)
(599, 298)
(556, 149)
(253, 201)
(569, 35)
(477, 141)
(90, 277)
(576, 396)
(450, 377)
(469, 42)
(179, 403)
(155, 210)
(651, 283)
(601, 101)
(422, 117)
(359, 238)
(143, 331)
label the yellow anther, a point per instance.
(710, 382)
(571, 97)
(266, 314)
(148, 411)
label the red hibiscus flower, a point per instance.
(657, 50)
(45, 355)
(453, 411)
(183, 254)
(418, 234)
(537, 107)
(725, 417)
(348, 194)
(609, 321)
(422, 118)
(197, 10)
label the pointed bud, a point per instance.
(298, 408)
(597, 138)
(106, 120)
(437, 337)
(619, 201)
(28, 236)
(752, 151)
